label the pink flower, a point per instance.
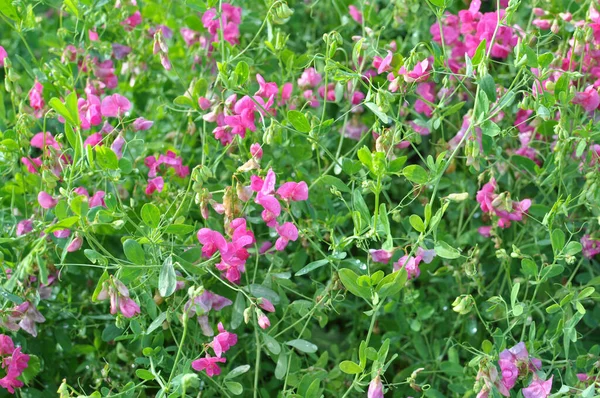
(256, 151)
(120, 301)
(44, 140)
(330, 92)
(115, 105)
(209, 364)
(223, 341)
(93, 35)
(141, 124)
(90, 112)
(538, 388)
(120, 51)
(24, 226)
(263, 320)
(588, 99)
(6, 345)
(46, 201)
(204, 103)
(75, 244)
(266, 305)
(485, 231)
(411, 264)
(266, 90)
(93, 140)
(155, 184)
(295, 191)
(29, 317)
(383, 64)
(132, 21)
(486, 195)
(418, 74)
(355, 14)
(32, 164)
(211, 242)
(13, 363)
(97, 199)
(36, 100)
(62, 233)
(375, 388)
(287, 232)
(381, 256)
(117, 146)
(591, 247)
(3, 55)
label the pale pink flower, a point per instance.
(115, 105)
(355, 14)
(538, 388)
(375, 388)
(46, 201)
(381, 256)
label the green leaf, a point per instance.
(237, 315)
(234, 387)
(392, 284)
(106, 158)
(336, 182)
(479, 53)
(529, 267)
(144, 374)
(182, 100)
(572, 248)
(167, 280)
(487, 84)
(365, 157)
(271, 344)
(490, 128)
(350, 367)
(417, 223)
(241, 71)
(134, 252)
(281, 367)
(302, 345)
(156, 323)
(63, 224)
(438, 3)
(200, 87)
(349, 280)
(415, 173)
(179, 229)
(151, 215)
(451, 368)
(395, 166)
(558, 240)
(240, 370)
(299, 121)
(312, 266)
(375, 109)
(9, 10)
(446, 251)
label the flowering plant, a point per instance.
(299, 198)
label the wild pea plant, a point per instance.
(299, 199)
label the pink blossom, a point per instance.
(330, 92)
(295, 191)
(355, 14)
(591, 247)
(381, 256)
(427, 93)
(132, 21)
(266, 305)
(6, 345)
(93, 35)
(32, 164)
(120, 51)
(93, 140)
(62, 233)
(265, 247)
(204, 103)
(411, 264)
(115, 105)
(120, 301)
(13, 363)
(209, 364)
(3, 55)
(97, 199)
(24, 226)
(90, 112)
(75, 244)
(486, 195)
(418, 74)
(383, 64)
(117, 146)
(538, 388)
(287, 232)
(485, 231)
(44, 140)
(202, 305)
(36, 100)
(46, 201)
(154, 184)
(29, 317)
(266, 90)
(375, 388)
(263, 320)
(211, 242)
(588, 99)
(223, 341)
(256, 151)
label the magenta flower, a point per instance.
(381, 256)
(141, 124)
(287, 232)
(375, 388)
(97, 199)
(209, 364)
(418, 74)
(90, 112)
(32, 164)
(295, 191)
(120, 51)
(383, 64)
(117, 146)
(223, 341)
(411, 264)
(3, 55)
(24, 226)
(13, 361)
(538, 388)
(36, 99)
(44, 140)
(591, 247)
(266, 305)
(154, 184)
(588, 99)
(115, 105)
(132, 21)
(211, 242)
(93, 140)
(46, 201)
(355, 14)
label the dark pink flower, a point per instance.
(97, 199)
(155, 184)
(266, 305)
(295, 191)
(132, 21)
(209, 364)
(36, 100)
(588, 99)
(287, 232)
(75, 244)
(3, 55)
(223, 341)
(44, 140)
(211, 242)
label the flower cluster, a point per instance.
(13, 361)
(500, 205)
